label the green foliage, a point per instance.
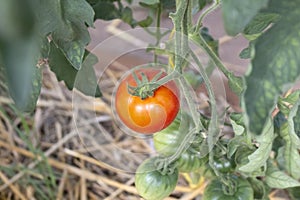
(19, 59)
(165, 5)
(237, 123)
(278, 179)
(24, 42)
(276, 63)
(114, 9)
(67, 23)
(294, 193)
(290, 156)
(258, 24)
(248, 52)
(199, 5)
(237, 14)
(85, 78)
(212, 43)
(259, 157)
(259, 188)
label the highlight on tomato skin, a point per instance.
(149, 115)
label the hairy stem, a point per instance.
(206, 12)
(178, 17)
(213, 128)
(158, 33)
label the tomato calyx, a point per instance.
(229, 186)
(145, 88)
(164, 166)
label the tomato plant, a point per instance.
(151, 114)
(264, 136)
(151, 184)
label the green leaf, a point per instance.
(259, 188)
(145, 22)
(86, 80)
(278, 179)
(276, 64)
(106, 10)
(236, 83)
(279, 120)
(127, 16)
(297, 123)
(260, 156)
(294, 193)
(237, 14)
(212, 43)
(237, 123)
(258, 24)
(292, 144)
(150, 2)
(19, 59)
(16, 19)
(65, 72)
(67, 23)
(234, 144)
(248, 52)
(284, 103)
(168, 4)
(199, 5)
(280, 157)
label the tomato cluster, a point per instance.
(159, 113)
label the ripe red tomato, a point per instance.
(149, 115)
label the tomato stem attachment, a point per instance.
(146, 88)
(229, 186)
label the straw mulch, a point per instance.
(43, 155)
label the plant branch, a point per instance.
(177, 18)
(206, 12)
(235, 83)
(158, 33)
(213, 128)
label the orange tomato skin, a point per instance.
(152, 114)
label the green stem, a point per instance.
(206, 12)
(146, 88)
(189, 15)
(213, 56)
(158, 34)
(191, 104)
(178, 18)
(213, 128)
(236, 84)
(184, 36)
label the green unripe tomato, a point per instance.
(167, 141)
(214, 191)
(151, 184)
(224, 165)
